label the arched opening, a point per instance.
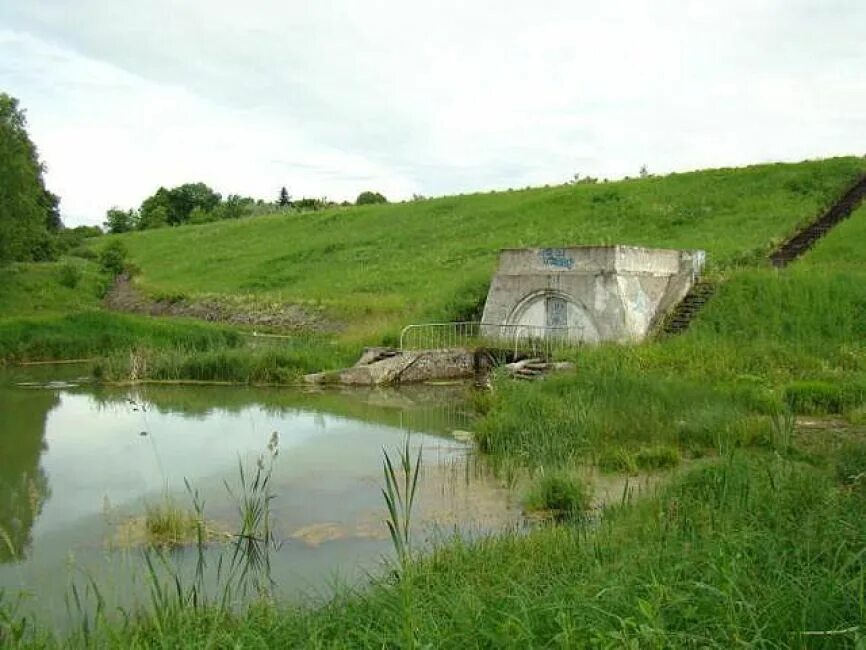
(551, 314)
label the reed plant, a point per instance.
(168, 525)
(561, 494)
(401, 487)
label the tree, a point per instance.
(234, 207)
(285, 201)
(154, 210)
(28, 211)
(112, 258)
(117, 220)
(173, 207)
(183, 199)
(369, 198)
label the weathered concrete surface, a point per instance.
(378, 367)
(588, 293)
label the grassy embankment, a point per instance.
(45, 316)
(373, 269)
(368, 271)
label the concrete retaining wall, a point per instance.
(589, 294)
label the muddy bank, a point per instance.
(124, 296)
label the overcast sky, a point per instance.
(331, 97)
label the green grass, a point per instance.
(377, 268)
(223, 362)
(842, 248)
(97, 333)
(559, 493)
(168, 525)
(38, 289)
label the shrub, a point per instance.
(370, 198)
(112, 258)
(84, 253)
(69, 276)
(857, 415)
(559, 493)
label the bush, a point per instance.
(69, 276)
(560, 494)
(112, 258)
(370, 198)
(84, 253)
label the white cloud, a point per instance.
(336, 96)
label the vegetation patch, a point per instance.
(850, 464)
(96, 333)
(560, 494)
(657, 457)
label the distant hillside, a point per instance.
(369, 270)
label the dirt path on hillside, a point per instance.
(123, 296)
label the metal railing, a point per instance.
(520, 338)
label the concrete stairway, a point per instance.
(679, 320)
(806, 237)
(689, 306)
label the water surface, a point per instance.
(80, 463)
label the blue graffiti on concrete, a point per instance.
(556, 257)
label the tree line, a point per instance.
(30, 225)
(196, 203)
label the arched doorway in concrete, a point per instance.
(552, 314)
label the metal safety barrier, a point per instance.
(520, 338)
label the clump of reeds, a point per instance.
(168, 525)
(561, 494)
(401, 485)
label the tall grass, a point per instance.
(585, 415)
(242, 364)
(49, 288)
(168, 525)
(401, 486)
(95, 333)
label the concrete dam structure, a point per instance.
(587, 294)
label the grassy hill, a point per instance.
(365, 272)
(373, 269)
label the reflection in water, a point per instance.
(108, 453)
(23, 483)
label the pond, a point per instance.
(80, 464)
